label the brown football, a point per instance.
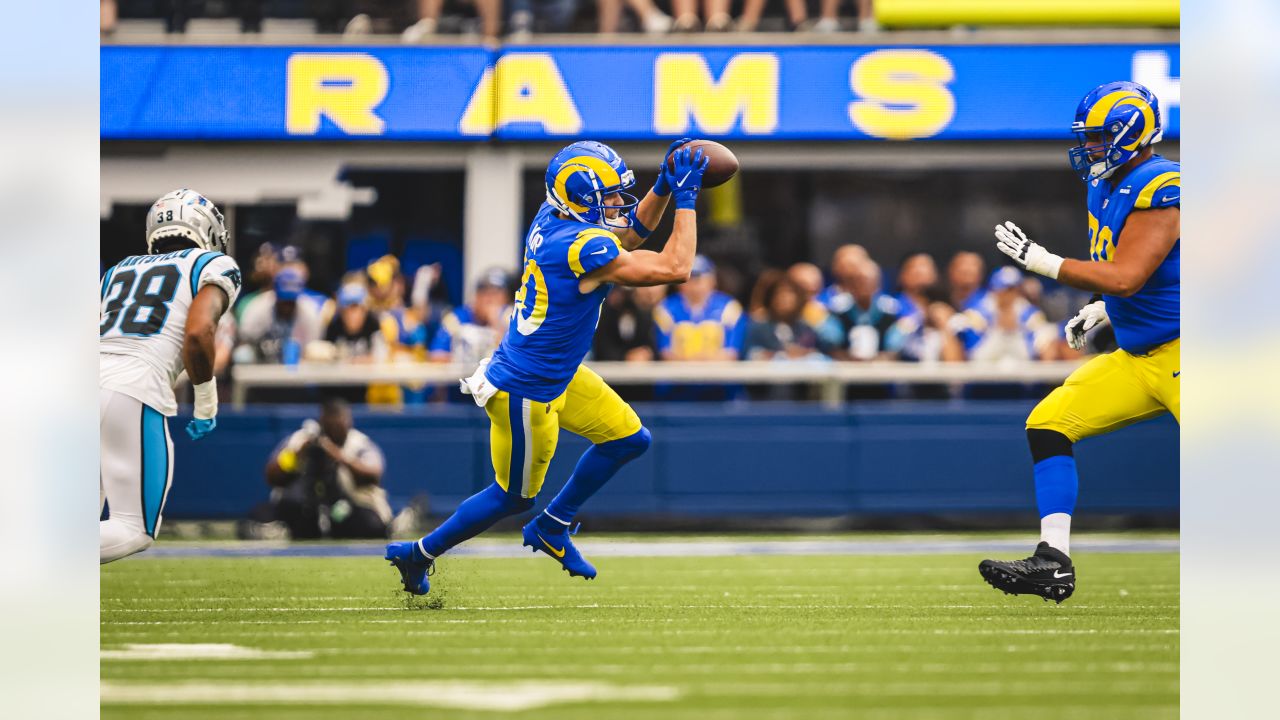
(724, 164)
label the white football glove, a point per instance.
(1013, 242)
(1090, 316)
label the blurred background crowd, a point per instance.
(851, 309)
(416, 21)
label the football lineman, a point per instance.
(1134, 201)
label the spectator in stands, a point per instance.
(927, 336)
(1005, 326)
(290, 256)
(870, 323)
(808, 278)
(866, 17)
(715, 12)
(386, 298)
(386, 285)
(783, 334)
(278, 324)
(326, 480)
(698, 322)
(470, 333)
(353, 335)
(924, 320)
(965, 274)
(550, 16)
(797, 16)
(490, 12)
(844, 266)
(354, 332)
(917, 283)
(266, 263)
(409, 331)
(108, 13)
(626, 331)
(756, 308)
(652, 20)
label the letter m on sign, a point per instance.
(687, 98)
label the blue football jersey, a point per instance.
(1149, 317)
(688, 333)
(552, 322)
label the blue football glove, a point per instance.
(660, 187)
(198, 428)
(685, 179)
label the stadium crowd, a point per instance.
(419, 20)
(855, 312)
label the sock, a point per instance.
(475, 515)
(1055, 529)
(1056, 488)
(594, 468)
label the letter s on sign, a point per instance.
(903, 93)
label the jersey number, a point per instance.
(149, 306)
(531, 300)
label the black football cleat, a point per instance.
(1048, 573)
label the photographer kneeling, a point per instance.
(325, 480)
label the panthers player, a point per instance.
(582, 241)
(1134, 234)
(159, 314)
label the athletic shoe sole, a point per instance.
(1011, 583)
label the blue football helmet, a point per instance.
(582, 175)
(1123, 117)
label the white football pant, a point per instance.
(135, 471)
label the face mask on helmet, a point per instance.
(1113, 123)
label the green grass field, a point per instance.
(737, 636)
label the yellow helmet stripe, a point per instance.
(603, 170)
(1157, 183)
(575, 250)
(1105, 105)
(1148, 119)
(561, 177)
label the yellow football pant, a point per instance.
(523, 433)
(1112, 391)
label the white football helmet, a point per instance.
(187, 214)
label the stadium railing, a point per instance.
(830, 377)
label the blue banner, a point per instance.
(622, 93)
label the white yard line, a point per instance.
(199, 651)
(502, 697)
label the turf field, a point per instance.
(886, 628)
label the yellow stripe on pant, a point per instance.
(1112, 391)
(523, 433)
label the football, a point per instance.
(724, 164)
